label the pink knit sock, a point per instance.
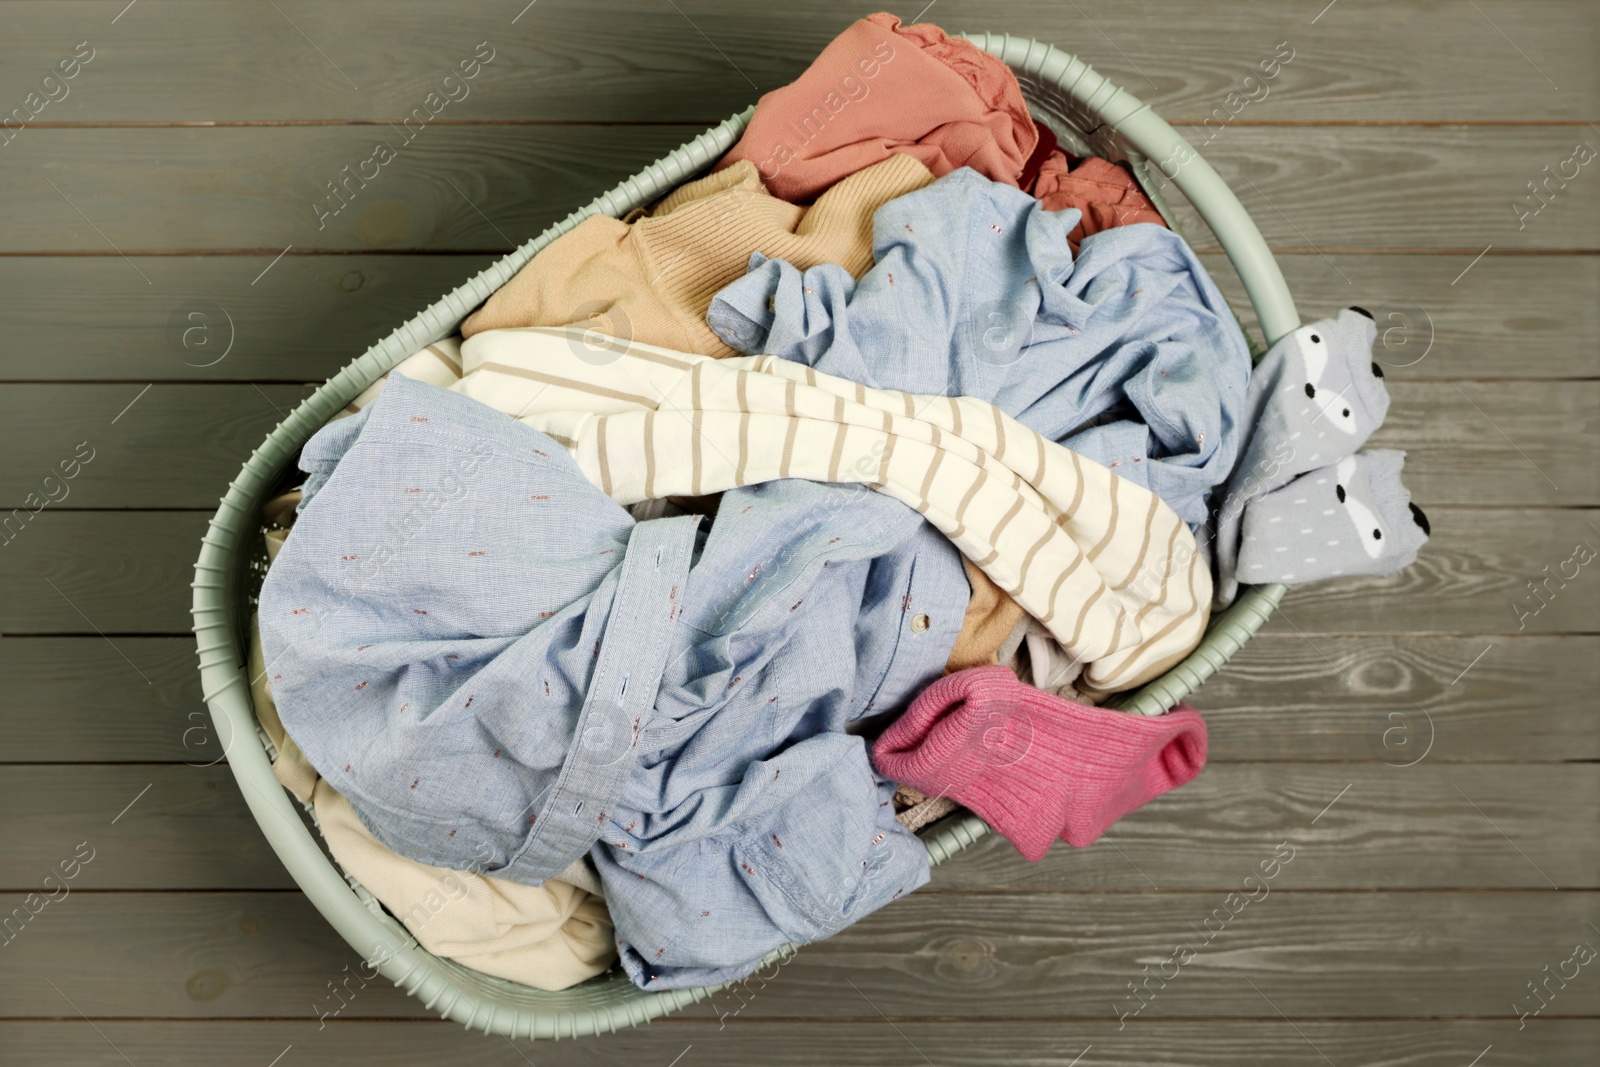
(1032, 765)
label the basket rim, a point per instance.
(601, 1005)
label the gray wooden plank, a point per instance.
(73, 699)
(1327, 189)
(1429, 329)
(1392, 826)
(265, 187)
(567, 62)
(129, 572)
(311, 314)
(182, 955)
(1360, 825)
(179, 444)
(302, 321)
(175, 827)
(1320, 956)
(991, 955)
(1480, 443)
(1396, 697)
(1477, 574)
(867, 1041)
(102, 573)
(172, 445)
(640, 60)
(1381, 697)
(1317, 188)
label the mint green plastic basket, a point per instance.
(1089, 114)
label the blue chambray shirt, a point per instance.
(501, 670)
(1129, 356)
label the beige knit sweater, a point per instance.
(653, 279)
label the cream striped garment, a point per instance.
(1105, 565)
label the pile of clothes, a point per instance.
(736, 539)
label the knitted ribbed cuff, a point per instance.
(1033, 766)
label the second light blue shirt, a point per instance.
(1129, 356)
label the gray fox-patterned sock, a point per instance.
(1353, 517)
(1315, 397)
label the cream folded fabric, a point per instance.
(548, 936)
(1107, 567)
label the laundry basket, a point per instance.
(1091, 115)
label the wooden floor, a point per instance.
(1424, 747)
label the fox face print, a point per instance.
(1326, 380)
(1368, 527)
(1352, 517)
(1317, 395)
